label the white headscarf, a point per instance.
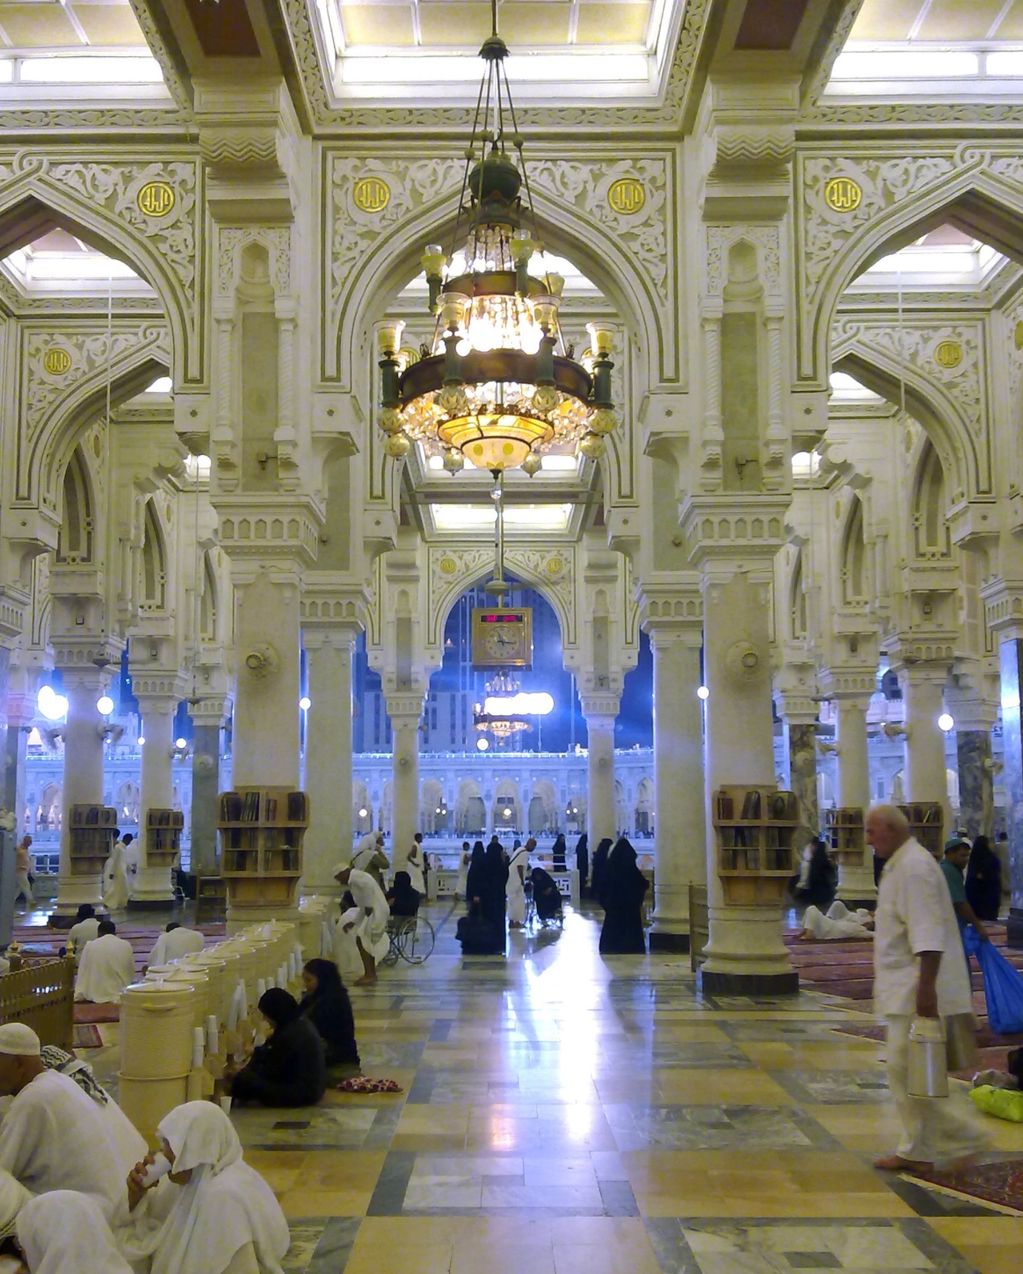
(64, 1232)
(13, 1197)
(224, 1206)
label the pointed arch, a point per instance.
(931, 537)
(974, 200)
(797, 599)
(153, 584)
(35, 202)
(208, 600)
(76, 538)
(855, 583)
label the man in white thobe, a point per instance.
(106, 967)
(86, 926)
(371, 936)
(919, 971)
(175, 943)
(54, 1136)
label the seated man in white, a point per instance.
(837, 923)
(106, 967)
(54, 1136)
(86, 926)
(175, 942)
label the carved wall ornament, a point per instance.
(371, 194)
(843, 194)
(58, 361)
(156, 199)
(232, 240)
(764, 238)
(948, 354)
(626, 196)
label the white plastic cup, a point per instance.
(198, 1045)
(212, 1036)
(160, 1166)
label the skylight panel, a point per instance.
(847, 389)
(476, 517)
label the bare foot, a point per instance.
(896, 1163)
(805, 936)
(366, 981)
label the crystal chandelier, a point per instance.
(497, 387)
(502, 725)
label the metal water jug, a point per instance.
(927, 1071)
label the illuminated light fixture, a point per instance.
(506, 812)
(104, 705)
(305, 703)
(52, 705)
(363, 812)
(181, 743)
(530, 705)
(498, 387)
(946, 722)
(482, 745)
(702, 693)
(142, 740)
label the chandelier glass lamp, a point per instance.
(497, 387)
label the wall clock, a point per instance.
(502, 637)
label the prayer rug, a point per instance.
(87, 1036)
(998, 1182)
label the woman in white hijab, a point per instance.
(225, 1219)
(64, 1232)
(13, 1197)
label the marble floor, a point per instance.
(564, 1113)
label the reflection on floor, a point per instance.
(567, 1114)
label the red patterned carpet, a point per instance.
(40, 940)
(998, 1182)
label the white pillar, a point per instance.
(600, 712)
(680, 834)
(153, 886)
(855, 880)
(83, 780)
(328, 754)
(745, 954)
(405, 712)
(268, 655)
(922, 690)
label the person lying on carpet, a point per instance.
(836, 924)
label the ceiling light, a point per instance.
(946, 722)
(305, 703)
(498, 386)
(702, 693)
(104, 705)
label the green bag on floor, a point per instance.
(1003, 1103)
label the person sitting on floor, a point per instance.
(836, 924)
(56, 1137)
(106, 967)
(174, 943)
(65, 1230)
(477, 934)
(290, 1068)
(85, 928)
(326, 1004)
(817, 876)
(224, 1219)
(404, 899)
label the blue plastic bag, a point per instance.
(1003, 985)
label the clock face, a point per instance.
(502, 638)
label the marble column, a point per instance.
(745, 954)
(974, 720)
(405, 712)
(799, 729)
(601, 712)
(21, 711)
(679, 828)
(268, 645)
(855, 880)
(923, 690)
(328, 755)
(153, 888)
(82, 784)
(1010, 657)
(208, 716)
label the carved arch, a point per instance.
(154, 560)
(931, 536)
(974, 200)
(928, 404)
(42, 466)
(77, 536)
(34, 202)
(853, 571)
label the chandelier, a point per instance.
(498, 387)
(491, 716)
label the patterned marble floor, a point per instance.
(569, 1114)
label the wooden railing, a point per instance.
(42, 996)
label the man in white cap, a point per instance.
(54, 1136)
(371, 932)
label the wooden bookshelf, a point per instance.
(845, 833)
(261, 831)
(926, 822)
(163, 836)
(91, 835)
(755, 829)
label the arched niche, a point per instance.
(75, 540)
